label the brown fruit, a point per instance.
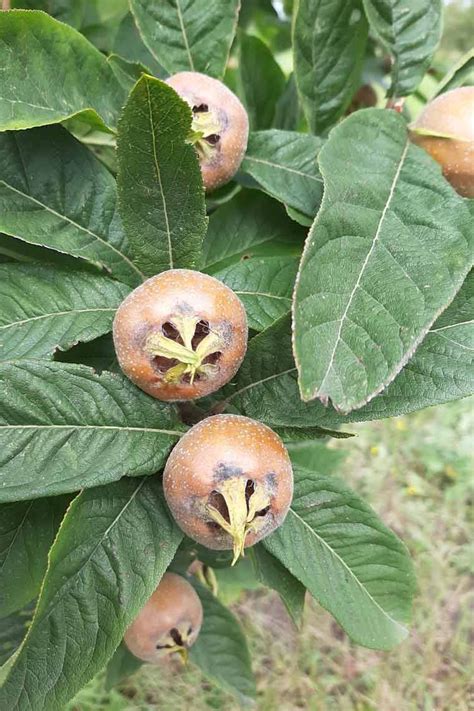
(452, 116)
(169, 622)
(180, 335)
(220, 125)
(229, 482)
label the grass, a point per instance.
(416, 472)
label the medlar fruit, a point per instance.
(169, 622)
(220, 125)
(229, 482)
(445, 129)
(180, 335)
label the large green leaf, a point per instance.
(27, 530)
(264, 285)
(262, 81)
(43, 309)
(128, 43)
(385, 255)
(284, 163)
(221, 648)
(12, 631)
(76, 429)
(50, 72)
(411, 32)
(354, 566)
(66, 205)
(113, 546)
(461, 74)
(192, 35)
(441, 370)
(274, 575)
(159, 181)
(253, 225)
(329, 41)
(72, 13)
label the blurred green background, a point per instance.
(417, 473)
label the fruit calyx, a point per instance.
(177, 640)
(246, 501)
(205, 130)
(185, 359)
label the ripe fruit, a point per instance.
(169, 622)
(220, 125)
(229, 482)
(451, 116)
(180, 335)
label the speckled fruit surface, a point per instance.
(169, 622)
(180, 335)
(222, 151)
(451, 113)
(236, 467)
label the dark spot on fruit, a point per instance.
(176, 637)
(217, 501)
(202, 330)
(249, 490)
(225, 471)
(263, 512)
(212, 357)
(171, 332)
(200, 109)
(213, 139)
(162, 364)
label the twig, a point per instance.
(6, 4)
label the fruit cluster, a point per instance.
(182, 335)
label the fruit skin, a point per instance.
(451, 113)
(220, 454)
(219, 162)
(174, 605)
(179, 296)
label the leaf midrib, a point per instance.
(350, 571)
(155, 430)
(69, 221)
(54, 314)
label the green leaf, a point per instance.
(113, 546)
(441, 370)
(65, 205)
(221, 649)
(287, 112)
(72, 13)
(261, 79)
(411, 33)
(76, 429)
(303, 434)
(264, 285)
(44, 309)
(274, 575)
(192, 35)
(27, 530)
(316, 457)
(159, 181)
(383, 258)
(329, 42)
(50, 72)
(356, 568)
(253, 225)
(461, 74)
(98, 354)
(284, 163)
(12, 631)
(19, 251)
(121, 665)
(129, 44)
